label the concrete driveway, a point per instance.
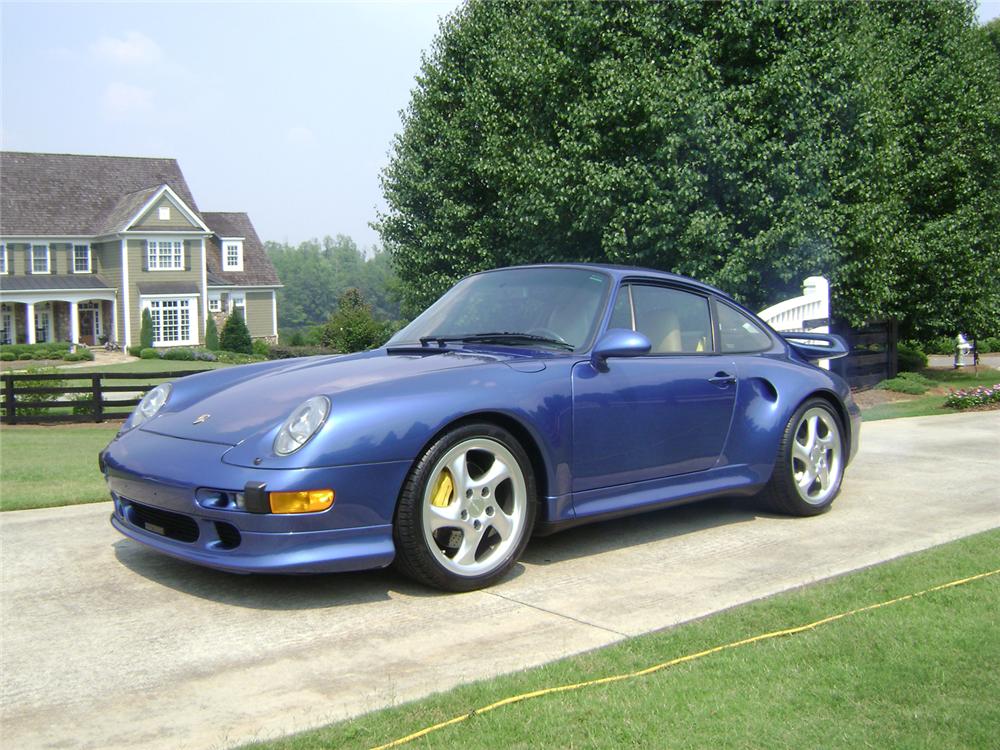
(108, 645)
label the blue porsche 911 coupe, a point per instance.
(525, 400)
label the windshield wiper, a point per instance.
(495, 337)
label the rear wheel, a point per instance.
(810, 463)
(466, 511)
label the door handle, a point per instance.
(722, 378)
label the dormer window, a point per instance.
(232, 255)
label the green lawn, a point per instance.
(932, 402)
(922, 673)
(42, 466)
(151, 365)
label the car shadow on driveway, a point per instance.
(652, 526)
(326, 590)
(263, 591)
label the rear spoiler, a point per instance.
(814, 346)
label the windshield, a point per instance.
(557, 307)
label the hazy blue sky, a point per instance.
(286, 111)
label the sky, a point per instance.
(286, 111)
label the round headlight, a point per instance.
(301, 425)
(151, 403)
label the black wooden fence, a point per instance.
(86, 402)
(872, 355)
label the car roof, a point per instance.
(620, 272)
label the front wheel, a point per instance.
(466, 510)
(809, 467)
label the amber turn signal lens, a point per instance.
(308, 501)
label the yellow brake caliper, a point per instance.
(444, 490)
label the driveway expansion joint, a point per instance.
(560, 615)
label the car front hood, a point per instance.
(228, 406)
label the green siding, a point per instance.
(259, 318)
(151, 219)
(106, 259)
(17, 258)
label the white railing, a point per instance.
(810, 312)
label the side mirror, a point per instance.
(619, 342)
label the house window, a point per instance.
(3, 260)
(232, 256)
(6, 324)
(81, 258)
(164, 213)
(238, 301)
(172, 321)
(214, 303)
(40, 259)
(162, 255)
(43, 323)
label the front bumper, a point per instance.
(161, 485)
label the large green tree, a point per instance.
(747, 144)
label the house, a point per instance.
(89, 242)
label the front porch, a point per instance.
(88, 320)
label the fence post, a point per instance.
(11, 404)
(97, 395)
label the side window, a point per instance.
(738, 333)
(674, 321)
(621, 316)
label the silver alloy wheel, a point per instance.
(817, 456)
(474, 507)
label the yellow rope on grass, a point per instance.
(673, 662)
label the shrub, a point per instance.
(203, 356)
(297, 339)
(288, 352)
(980, 396)
(146, 330)
(235, 358)
(149, 353)
(910, 358)
(211, 335)
(181, 354)
(907, 382)
(38, 396)
(352, 328)
(989, 344)
(136, 350)
(940, 345)
(235, 335)
(7, 357)
(261, 349)
(81, 356)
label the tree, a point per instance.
(235, 335)
(211, 335)
(746, 144)
(315, 274)
(352, 328)
(146, 330)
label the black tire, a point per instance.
(808, 472)
(466, 510)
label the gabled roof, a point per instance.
(257, 267)
(72, 194)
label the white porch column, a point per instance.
(114, 322)
(74, 323)
(29, 321)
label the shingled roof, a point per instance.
(71, 194)
(257, 267)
